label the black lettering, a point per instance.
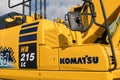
(62, 60)
(79, 61)
(89, 60)
(67, 60)
(95, 60)
(73, 61)
(84, 60)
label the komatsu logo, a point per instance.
(80, 60)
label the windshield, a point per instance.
(55, 8)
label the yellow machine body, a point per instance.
(46, 50)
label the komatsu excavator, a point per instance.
(84, 46)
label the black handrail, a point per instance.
(36, 7)
(17, 4)
(109, 36)
(41, 8)
(30, 8)
(45, 16)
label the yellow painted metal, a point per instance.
(49, 53)
(59, 49)
(85, 51)
(2, 33)
(54, 42)
(57, 35)
(117, 53)
(115, 74)
(48, 58)
(54, 75)
(112, 8)
(10, 40)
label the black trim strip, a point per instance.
(32, 24)
(28, 30)
(28, 38)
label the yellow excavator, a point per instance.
(84, 46)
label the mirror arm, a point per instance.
(92, 9)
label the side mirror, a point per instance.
(75, 21)
(81, 19)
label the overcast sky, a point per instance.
(55, 8)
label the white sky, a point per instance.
(55, 8)
(58, 8)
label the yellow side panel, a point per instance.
(54, 75)
(48, 58)
(116, 73)
(2, 33)
(55, 35)
(11, 39)
(51, 33)
(117, 53)
(85, 57)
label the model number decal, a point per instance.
(27, 56)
